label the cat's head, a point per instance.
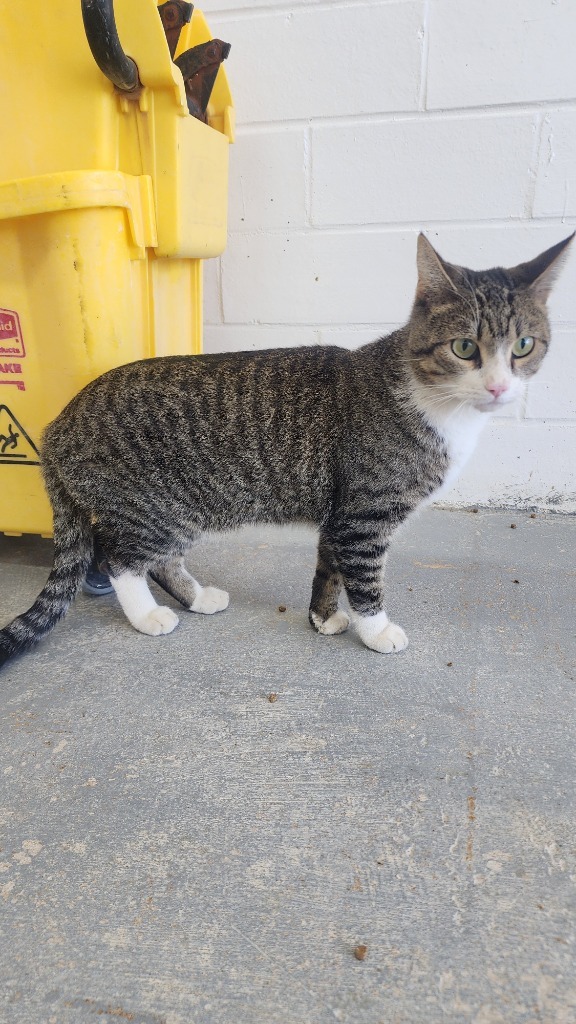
(476, 337)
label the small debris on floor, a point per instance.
(512, 526)
(449, 664)
(272, 697)
(281, 607)
(515, 581)
(360, 952)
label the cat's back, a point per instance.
(245, 436)
(275, 396)
(250, 379)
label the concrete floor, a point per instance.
(179, 848)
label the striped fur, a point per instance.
(153, 454)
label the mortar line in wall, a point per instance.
(258, 9)
(553, 421)
(220, 290)
(487, 111)
(340, 327)
(423, 95)
(307, 175)
(334, 327)
(399, 226)
(533, 165)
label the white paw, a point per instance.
(336, 623)
(159, 620)
(390, 640)
(209, 600)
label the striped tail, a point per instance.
(73, 544)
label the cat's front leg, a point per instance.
(324, 615)
(175, 579)
(361, 557)
(379, 634)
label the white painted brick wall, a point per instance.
(361, 122)
(432, 170)
(490, 52)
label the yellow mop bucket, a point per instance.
(110, 198)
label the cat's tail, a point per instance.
(73, 546)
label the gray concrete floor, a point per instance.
(178, 848)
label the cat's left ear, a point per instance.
(540, 274)
(434, 274)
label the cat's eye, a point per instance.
(464, 348)
(522, 346)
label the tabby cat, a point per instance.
(152, 454)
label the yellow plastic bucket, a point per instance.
(108, 205)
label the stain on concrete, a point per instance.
(112, 1011)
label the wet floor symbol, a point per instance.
(16, 447)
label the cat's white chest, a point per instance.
(460, 430)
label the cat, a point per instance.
(154, 453)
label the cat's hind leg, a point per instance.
(130, 550)
(139, 606)
(175, 579)
(324, 615)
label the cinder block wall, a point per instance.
(361, 122)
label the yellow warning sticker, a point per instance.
(16, 448)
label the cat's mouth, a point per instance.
(487, 403)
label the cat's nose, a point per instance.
(497, 389)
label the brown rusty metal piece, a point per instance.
(174, 14)
(199, 67)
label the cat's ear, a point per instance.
(540, 274)
(434, 274)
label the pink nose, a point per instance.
(497, 389)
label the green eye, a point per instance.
(522, 347)
(464, 348)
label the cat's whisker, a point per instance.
(458, 409)
(442, 399)
(448, 404)
(439, 403)
(432, 400)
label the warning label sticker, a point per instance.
(16, 448)
(11, 342)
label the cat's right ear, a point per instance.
(434, 274)
(541, 273)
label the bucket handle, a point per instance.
(102, 36)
